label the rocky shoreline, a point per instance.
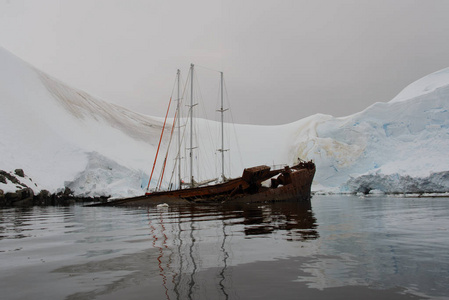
(25, 195)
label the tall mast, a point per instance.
(222, 129)
(222, 110)
(178, 74)
(191, 125)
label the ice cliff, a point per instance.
(394, 147)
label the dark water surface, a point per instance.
(340, 247)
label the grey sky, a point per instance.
(283, 60)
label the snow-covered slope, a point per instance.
(61, 136)
(56, 133)
(398, 146)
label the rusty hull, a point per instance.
(288, 184)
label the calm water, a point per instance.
(339, 248)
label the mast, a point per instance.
(179, 130)
(191, 125)
(222, 110)
(222, 129)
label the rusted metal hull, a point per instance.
(288, 184)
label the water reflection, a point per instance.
(21, 222)
(225, 264)
(294, 218)
(281, 250)
(195, 243)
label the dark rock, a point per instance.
(43, 198)
(2, 178)
(12, 197)
(62, 197)
(26, 196)
(44, 194)
(19, 172)
(10, 177)
(68, 192)
(2, 198)
(20, 197)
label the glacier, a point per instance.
(406, 137)
(63, 137)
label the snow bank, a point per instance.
(104, 177)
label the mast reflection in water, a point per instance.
(373, 248)
(196, 243)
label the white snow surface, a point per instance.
(63, 137)
(423, 86)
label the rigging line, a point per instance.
(199, 152)
(162, 133)
(168, 149)
(228, 141)
(182, 140)
(159, 145)
(179, 151)
(233, 125)
(206, 159)
(200, 95)
(210, 69)
(173, 171)
(178, 112)
(213, 141)
(210, 135)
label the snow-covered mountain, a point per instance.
(63, 137)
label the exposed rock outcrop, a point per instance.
(19, 172)
(25, 196)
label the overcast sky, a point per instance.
(283, 60)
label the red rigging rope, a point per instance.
(165, 159)
(158, 146)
